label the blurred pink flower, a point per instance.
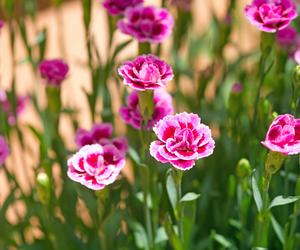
(4, 150)
(182, 4)
(237, 88)
(147, 24)
(271, 15)
(54, 71)
(287, 38)
(100, 133)
(7, 107)
(146, 72)
(1, 24)
(283, 135)
(117, 7)
(96, 166)
(162, 107)
(182, 139)
(297, 56)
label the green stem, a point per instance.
(289, 243)
(263, 218)
(144, 48)
(267, 41)
(179, 213)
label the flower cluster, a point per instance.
(182, 139)
(117, 7)
(162, 107)
(147, 24)
(7, 107)
(146, 72)
(4, 150)
(96, 166)
(283, 135)
(271, 15)
(53, 71)
(99, 159)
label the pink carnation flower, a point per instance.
(146, 72)
(7, 108)
(4, 150)
(287, 38)
(53, 71)
(162, 107)
(147, 24)
(182, 139)
(271, 15)
(284, 135)
(96, 166)
(117, 7)
(100, 133)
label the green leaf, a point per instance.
(222, 240)
(172, 234)
(140, 197)
(281, 200)
(171, 190)
(190, 197)
(161, 235)
(140, 235)
(188, 220)
(278, 229)
(256, 194)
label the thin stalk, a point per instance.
(178, 211)
(263, 218)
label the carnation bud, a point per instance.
(43, 188)
(243, 168)
(274, 162)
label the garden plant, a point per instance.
(190, 142)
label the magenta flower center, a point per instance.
(149, 72)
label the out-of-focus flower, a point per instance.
(147, 24)
(162, 107)
(297, 56)
(237, 88)
(54, 71)
(4, 150)
(271, 15)
(100, 133)
(117, 7)
(96, 166)
(182, 139)
(7, 107)
(146, 72)
(287, 38)
(283, 135)
(1, 24)
(182, 4)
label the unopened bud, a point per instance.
(43, 188)
(243, 168)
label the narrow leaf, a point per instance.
(190, 197)
(256, 194)
(171, 190)
(278, 229)
(281, 200)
